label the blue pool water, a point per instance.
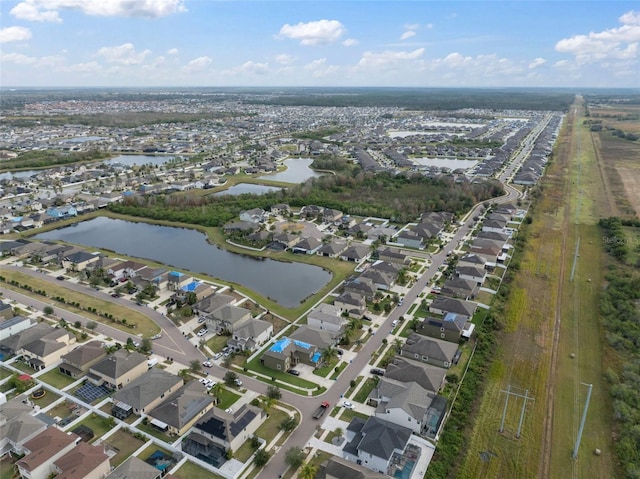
(406, 472)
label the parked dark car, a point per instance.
(294, 372)
(377, 372)
(60, 278)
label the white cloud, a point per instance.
(407, 34)
(613, 44)
(89, 67)
(14, 34)
(349, 42)
(382, 59)
(48, 10)
(314, 33)
(536, 63)
(172, 51)
(251, 67)
(412, 26)
(197, 65)
(17, 58)
(124, 54)
(284, 59)
(319, 68)
(429, 26)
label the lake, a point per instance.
(243, 188)
(139, 160)
(288, 284)
(297, 171)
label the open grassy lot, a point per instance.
(143, 324)
(189, 470)
(226, 398)
(56, 379)
(125, 444)
(270, 427)
(98, 424)
(539, 335)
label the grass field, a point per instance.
(143, 324)
(56, 379)
(189, 470)
(569, 206)
(125, 444)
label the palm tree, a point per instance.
(328, 354)
(307, 471)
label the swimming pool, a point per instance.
(405, 473)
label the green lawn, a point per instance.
(98, 425)
(326, 369)
(349, 414)
(48, 398)
(226, 398)
(244, 452)
(125, 444)
(341, 367)
(152, 431)
(189, 470)
(56, 379)
(363, 393)
(60, 410)
(271, 426)
(4, 373)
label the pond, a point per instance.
(139, 160)
(286, 283)
(297, 171)
(243, 188)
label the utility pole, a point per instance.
(526, 398)
(584, 418)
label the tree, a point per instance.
(145, 345)
(273, 392)
(20, 385)
(294, 457)
(339, 432)
(288, 424)
(230, 378)
(93, 325)
(195, 366)
(307, 471)
(48, 310)
(261, 458)
(328, 354)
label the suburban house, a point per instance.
(177, 280)
(410, 239)
(382, 279)
(443, 305)
(332, 249)
(326, 317)
(339, 468)
(286, 353)
(405, 370)
(118, 369)
(125, 270)
(219, 431)
(450, 328)
(365, 287)
(79, 261)
(353, 303)
(356, 253)
(256, 215)
(394, 256)
(250, 335)
(228, 318)
(320, 339)
(14, 324)
(84, 460)
(374, 443)
(44, 350)
(309, 245)
(471, 259)
(17, 425)
(472, 273)
(134, 468)
(497, 226)
(408, 404)
(436, 352)
(144, 393)
(209, 304)
(182, 409)
(6, 311)
(61, 212)
(460, 288)
(77, 362)
(43, 450)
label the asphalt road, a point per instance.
(175, 345)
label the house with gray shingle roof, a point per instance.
(77, 362)
(118, 369)
(135, 468)
(429, 377)
(182, 409)
(429, 350)
(144, 393)
(373, 443)
(443, 305)
(228, 318)
(250, 335)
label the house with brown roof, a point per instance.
(43, 450)
(77, 362)
(83, 461)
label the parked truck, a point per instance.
(318, 413)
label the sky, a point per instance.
(359, 43)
